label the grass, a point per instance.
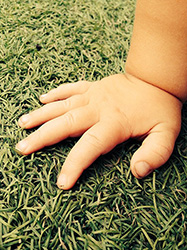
(44, 44)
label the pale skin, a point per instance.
(143, 103)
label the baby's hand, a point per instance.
(105, 113)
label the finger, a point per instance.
(51, 111)
(72, 124)
(65, 91)
(98, 140)
(154, 152)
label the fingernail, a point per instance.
(43, 96)
(23, 120)
(62, 180)
(21, 146)
(17, 151)
(142, 169)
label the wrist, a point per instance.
(155, 89)
(171, 85)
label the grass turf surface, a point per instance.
(44, 44)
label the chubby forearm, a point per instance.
(158, 52)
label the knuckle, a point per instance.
(163, 152)
(94, 141)
(69, 119)
(74, 101)
(67, 104)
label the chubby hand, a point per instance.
(105, 113)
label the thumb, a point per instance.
(154, 152)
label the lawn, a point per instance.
(44, 43)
